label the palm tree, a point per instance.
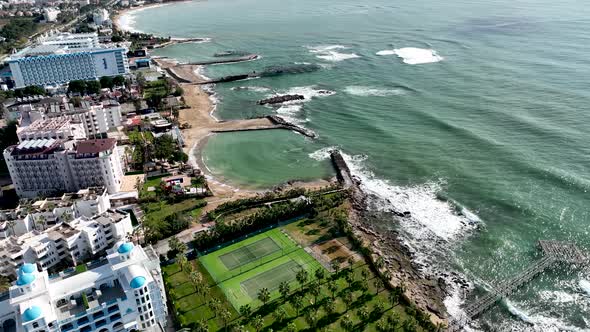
(364, 273)
(335, 266)
(200, 326)
(214, 305)
(264, 295)
(40, 220)
(379, 263)
(196, 280)
(348, 298)
(409, 325)
(225, 317)
(315, 291)
(395, 296)
(349, 277)
(257, 323)
(246, 310)
(284, 289)
(363, 313)
(378, 283)
(333, 288)
(346, 323)
(378, 308)
(182, 261)
(393, 320)
(291, 327)
(66, 217)
(176, 245)
(310, 317)
(350, 261)
(297, 303)
(330, 307)
(301, 278)
(279, 314)
(320, 274)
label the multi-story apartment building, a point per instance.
(99, 119)
(47, 212)
(71, 40)
(58, 128)
(65, 244)
(56, 62)
(46, 166)
(124, 292)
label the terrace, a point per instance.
(84, 303)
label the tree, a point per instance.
(363, 313)
(378, 283)
(176, 246)
(77, 87)
(106, 82)
(348, 298)
(4, 284)
(200, 326)
(333, 288)
(119, 80)
(225, 317)
(284, 289)
(301, 277)
(395, 296)
(330, 307)
(320, 274)
(349, 277)
(310, 317)
(264, 295)
(257, 323)
(379, 263)
(409, 325)
(245, 310)
(297, 303)
(92, 87)
(214, 305)
(181, 260)
(291, 327)
(196, 279)
(378, 308)
(279, 314)
(346, 323)
(164, 147)
(40, 221)
(364, 273)
(350, 261)
(315, 290)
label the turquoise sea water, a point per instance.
(488, 148)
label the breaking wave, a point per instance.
(330, 53)
(538, 322)
(291, 113)
(251, 88)
(414, 55)
(585, 285)
(366, 91)
(322, 154)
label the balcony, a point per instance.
(94, 304)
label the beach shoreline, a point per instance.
(120, 14)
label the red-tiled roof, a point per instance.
(95, 145)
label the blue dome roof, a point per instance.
(125, 248)
(32, 313)
(27, 268)
(25, 279)
(137, 282)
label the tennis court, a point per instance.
(271, 279)
(249, 253)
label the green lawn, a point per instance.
(161, 209)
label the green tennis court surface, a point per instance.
(249, 253)
(271, 279)
(264, 260)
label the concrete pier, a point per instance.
(248, 57)
(342, 171)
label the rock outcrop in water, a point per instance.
(280, 99)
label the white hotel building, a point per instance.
(61, 59)
(124, 292)
(43, 167)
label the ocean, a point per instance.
(472, 115)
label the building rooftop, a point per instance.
(95, 145)
(36, 146)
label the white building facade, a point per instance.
(44, 167)
(65, 244)
(125, 292)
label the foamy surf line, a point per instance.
(330, 53)
(126, 20)
(413, 55)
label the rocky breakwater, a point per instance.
(279, 99)
(426, 292)
(280, 122)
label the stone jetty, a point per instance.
(342, 170)
(248, 57)
(280, 99)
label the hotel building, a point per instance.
(123, 292)
(46, 166)
(57, 61)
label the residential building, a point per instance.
(55, 61)
(50, 14)
(100, 16)
(124, 292)
(65, 244)
(46, 166)
(50, 211)
(58, 128)
(99, 119)
(71, 40)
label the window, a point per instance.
(35, 325)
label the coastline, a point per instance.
(120, 14)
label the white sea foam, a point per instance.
(291, 113)
(330, 53)
(539, 322)
(308, 92)
(126, 21)
(585, 285)
(414, 55)
(251, 88)
(430, 215)
(322, 154)
(386, 52)
(557, 297)
(201, 72)
(366, 91)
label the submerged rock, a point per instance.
(280, 99)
